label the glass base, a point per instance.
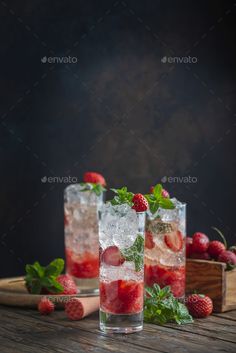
(87, 286)
(118, 323)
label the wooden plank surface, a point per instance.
(26, 331)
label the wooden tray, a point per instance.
(14, 293)
(211, 278)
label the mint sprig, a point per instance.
(122, 196)
(40, 279)
(96, 188)
(161, 307)
(156, 200)
(135, 253)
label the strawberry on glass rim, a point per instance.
(94, 178)
(140, 204)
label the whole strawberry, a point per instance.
(215, 248)
(199, 305)
(140, 204)
(45, 306)
(68, 284)
(200, 242)
(94, 178)
(189, 242)
(227, 257)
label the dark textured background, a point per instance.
(118, 110)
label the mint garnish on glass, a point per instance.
(157, 199)
(122, 196)
(161, 307)
(96, 188)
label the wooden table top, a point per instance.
(27, 331)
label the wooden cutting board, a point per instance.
(14, 293)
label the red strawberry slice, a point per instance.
(174, 241)
(149, 243)
(112, 256)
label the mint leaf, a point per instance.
(135, 253)
(36, 287)
(157, 190)
(52, 285)
(96, 188)
(156, 200)
(122, 196)
(160, 307)
(39, 278)
(31, 271)
(54, 268)
(38, 268)
(166, 203)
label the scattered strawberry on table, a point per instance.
(199, 305)
(45, 306)
(200, 247)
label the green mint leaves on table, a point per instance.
(39, 278)
(96, 188)
(156, 200)
(161, 307)
(122, 196)
(135, 253)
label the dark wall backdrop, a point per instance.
(119, 109)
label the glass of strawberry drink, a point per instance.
(81, 234)
(165, 242)
(121, 237)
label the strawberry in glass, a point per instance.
(165, 242)
(121, 238)
(81, 231)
